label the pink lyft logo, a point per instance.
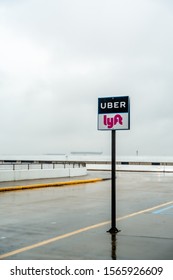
(110, 122)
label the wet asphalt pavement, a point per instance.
(72, 221)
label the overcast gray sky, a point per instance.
(58, 56)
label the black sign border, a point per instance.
(115, 112)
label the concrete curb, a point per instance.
(55, 184)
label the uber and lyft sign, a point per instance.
(114, 113)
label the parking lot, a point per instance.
(71, 222)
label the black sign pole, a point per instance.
(113, 189)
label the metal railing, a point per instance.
(131, 163)
(25, 165)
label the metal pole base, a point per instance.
(113, 230)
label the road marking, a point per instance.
(54, 239)
(162, 210)
(145, 211)
(55, 184)
(18, 251)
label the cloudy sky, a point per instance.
(58, 56)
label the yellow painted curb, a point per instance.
(55, 184)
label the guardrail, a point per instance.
(51, 165)
(26, 170)
(28, 165)
(131, 166)
(131, 163)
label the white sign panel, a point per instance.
(114, 113)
